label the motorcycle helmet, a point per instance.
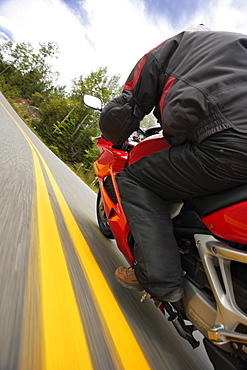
(199, 27)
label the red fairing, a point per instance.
(229, 223)
(110, 160)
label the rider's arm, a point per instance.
(145, 83)
(141, 93)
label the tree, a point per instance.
(52, 109)
(98, 84)
(26, 70)
(68, 125)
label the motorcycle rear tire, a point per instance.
(102, 219)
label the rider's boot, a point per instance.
(126, 276)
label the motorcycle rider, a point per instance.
(196, 82)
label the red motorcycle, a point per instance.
(211, 234)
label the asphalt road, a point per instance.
(60, 305)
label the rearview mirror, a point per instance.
(92, 102)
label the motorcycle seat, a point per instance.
(206, 204)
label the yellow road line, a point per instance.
(126, 346)
(64, 341)
(64, 337)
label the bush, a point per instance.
(55, 150)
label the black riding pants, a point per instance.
(180, 172)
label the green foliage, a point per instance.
(98, 84)
(37, 99)
(55, 150)
(90, 157)
(26, 70)
(67, 125)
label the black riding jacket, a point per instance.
(197, 83)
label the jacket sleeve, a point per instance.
(145, 83)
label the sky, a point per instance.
(110, 33)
